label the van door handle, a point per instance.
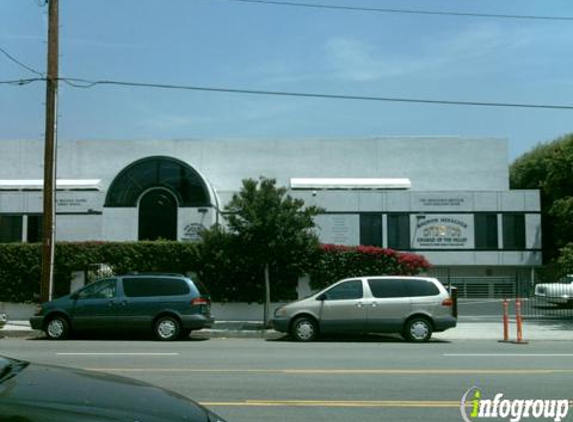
(374, 304)
(359, 305)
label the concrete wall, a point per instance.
(432, 163)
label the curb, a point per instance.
(467, 330)
(223, 329)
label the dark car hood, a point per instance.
(49, 393)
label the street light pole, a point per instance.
(49, 218)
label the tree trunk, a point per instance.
(267, 308)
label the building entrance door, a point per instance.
(158, 215)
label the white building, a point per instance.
(447, 198)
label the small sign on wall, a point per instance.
(339, 229)
(192, 232)
(442, 202)
(78, 202)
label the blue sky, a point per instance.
(226, 44)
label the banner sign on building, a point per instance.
(442, 231)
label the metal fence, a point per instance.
(485, 287)
(549, 301)
(538, 300)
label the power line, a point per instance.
(84, 83)
(403, 11)
(22, 81)
(19, 63)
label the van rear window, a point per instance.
(154, 286)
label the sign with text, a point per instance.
(339, 229)
(459, 201)
(78, 202)
(442, 231)
(192, 232)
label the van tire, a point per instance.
(418, 329)
(304, 328)
(57, 328)
(167, 328)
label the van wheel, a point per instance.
(167, 328)
(304, 329)
(418, 329)
(57, 328)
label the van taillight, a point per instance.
(448, 302)
(200, 301)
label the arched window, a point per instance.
(158, 172)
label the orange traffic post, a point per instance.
(519, 322)
(505, 321)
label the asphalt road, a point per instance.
(357, 379)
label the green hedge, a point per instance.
(20, 263)
(219, 267)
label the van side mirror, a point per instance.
(321, 297)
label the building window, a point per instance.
(10, 228)
(514, 231)
(158, 172)
(371, 229)
(34, 229)
(399, 231)
(485, 227)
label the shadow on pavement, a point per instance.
(118, 336)
(358, 338)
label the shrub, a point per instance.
(221, 263)
(20, 263)
(335, 262)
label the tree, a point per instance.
(276, 230)
(549, 168)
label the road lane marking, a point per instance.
(512, 355)
(337, 403)
(115, 354)
(345, 371)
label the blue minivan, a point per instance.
(169, 305)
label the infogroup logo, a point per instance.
(473, 407)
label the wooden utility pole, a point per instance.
(49, 214)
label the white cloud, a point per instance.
(357, 60)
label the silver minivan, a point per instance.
(414, 307)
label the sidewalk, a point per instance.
(539, 330)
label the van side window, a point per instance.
(154, 286)
(418, 287)
(347, 290)
(105, 289)
(387, 288)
